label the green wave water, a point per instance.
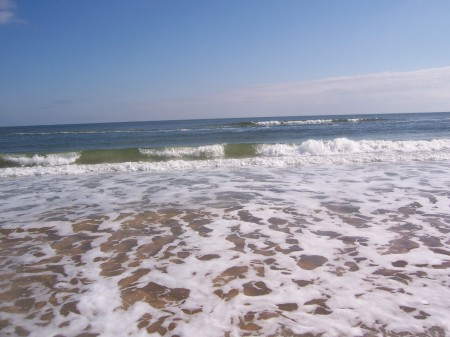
(367, 150)
(105, 156)
(109, 156)
(361, 138)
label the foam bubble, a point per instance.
(331, 251)
(311, 152)
(43, 160)
(314, 121)
(305, 122)
(347, 146)
(208, 151)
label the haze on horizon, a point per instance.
(105, 61)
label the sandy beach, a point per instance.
(224, 168)
(358, 250)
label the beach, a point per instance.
(224, 168)
(314, 250)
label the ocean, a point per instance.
(284, 226)
(168, 145)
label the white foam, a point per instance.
(47, 160)
(312, 152)
(347, 146)
(217, 163)
(312, 121)
(300, 196)
(209, 151)
(305, 122)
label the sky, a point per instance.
(87, 61)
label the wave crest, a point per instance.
(47, 160)
(206, 151)
(310, 152)
(314, 121)
(338, 146)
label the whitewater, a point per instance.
(286, 226)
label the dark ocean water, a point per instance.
(298, 139)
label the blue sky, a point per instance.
(83, 61)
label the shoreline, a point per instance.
(348, 251)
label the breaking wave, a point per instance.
(309, 152)
(314, 121)
(208, 151)
(46, 160)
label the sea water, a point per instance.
(322, 226)
(147, 146)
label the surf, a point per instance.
(310, 152)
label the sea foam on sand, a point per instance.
(349, 250)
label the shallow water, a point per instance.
(348, 250)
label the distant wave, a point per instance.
(74, 132)
(211, 127)
(310, 152)
(102, 132)
(87, 132)
(314, 121)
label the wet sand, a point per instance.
(289, 252)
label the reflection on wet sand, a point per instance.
(246, 267)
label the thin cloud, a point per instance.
(432, 83)
(426, 90)
(7, 13)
